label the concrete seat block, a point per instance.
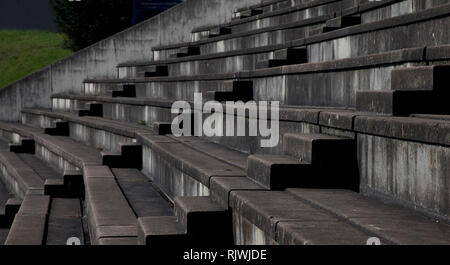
(342, 22)
(270, 63)
(292, 55)
(393, 223)
(12, 207)
(162, 128)
(402, 102)
(200, 216)
(164, 230)
(429, 78)
(54, 187)
(156, 70)
(128, 91)
(277, 171)
(60, 128)
(129, 157)
(314, 148)
(333, 159)
(221, 187)
(219, 31)
(27, 230)
(35, 205)
(26, 146)
(188, 51)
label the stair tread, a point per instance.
(64, 221)
(282, 215)
(161, 225)
(141, 194)
(394, 223)
(78, 152)
(26, 177)
(200, 165)
(40, 167)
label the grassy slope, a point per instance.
(24, 52)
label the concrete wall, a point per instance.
(26, 14)
(100, 59)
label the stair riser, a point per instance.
(319, 88)
(295, 16)
(212, 66)
(123, 112)
(96, 137)
(416, 170)
(366, 17)
(169, 178)
(403, 103)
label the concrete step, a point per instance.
(195, 223)
(187, 51)
(155, 71)
(61, 153)
(169, 163)
(162, 128)
(40, 167)
(161, 231)
(391, 223)
(109, 214)
(9, 206)
(286, 56)
(29, 223)
(25, 146)
(128, 91)
(70, 186)
(331, 93)
(333, 159)
(420, 89)
(130, 156)
(93, 109)
(236, 90)
(278, 171)
(311, 160)
(201, 216)
(59, 128)
(247, 13)
(124, 109)
(144, 197)
(369, 12)
(422, 78)
(219, 31)
(64, 222)
(341, 22)
(19, 176)
(278, 217)
(402, 102)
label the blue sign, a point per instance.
(143, 7)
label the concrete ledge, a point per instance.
(20, 177)
(392, 223)
(278, 172)
(280, 216)
(190, 161)
(221, 188)
(413, 129)
(161, 231)
(29, 223)
(109, 213)
(201, 216)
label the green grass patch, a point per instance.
(25, 52)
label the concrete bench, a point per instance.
(29, 223)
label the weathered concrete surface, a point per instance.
(413, 173)
(101, 58)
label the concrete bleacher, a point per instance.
(364, 135)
